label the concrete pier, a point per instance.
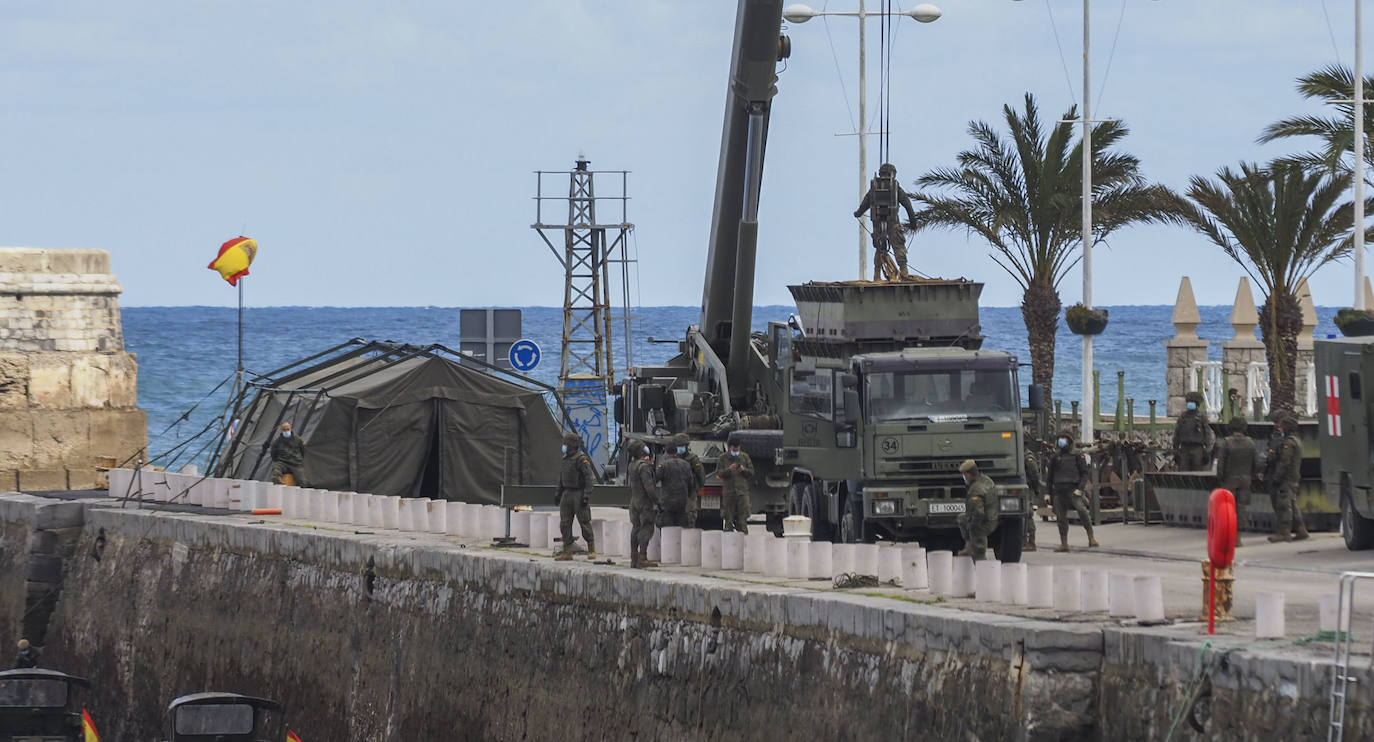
(375, 634)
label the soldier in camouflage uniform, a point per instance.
(884, 196)
(979, 518)
(1237, 465)
(643, 505)
(1193, 437)
(576, 478)
(1288, 523)
(676, 478)
(681, 441)
(1068, 478)
(735, 469)
(288, 458)
(1035, 481)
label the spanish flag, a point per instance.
(234, 258)
(88, 732)
(291, 736)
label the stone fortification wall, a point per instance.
(37, 538)
(372, 637)
(68, 390)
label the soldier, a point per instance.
(1193, 437)
(979, 518)
(884, 196)
(644, 502)
(736, 469)
(1035, 481)
(1288, 523)
(1237, 464)
(288, 458)
(576, 478)
(27, 657)
(681, 441)
(1068, 481)
(676, 478)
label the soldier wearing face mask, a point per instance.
(1068, 479)
(1193, 437)
(680, 442)
(288, 458)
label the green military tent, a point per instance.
(391, 419)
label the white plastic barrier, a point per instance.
(391, 512)
(962, 583)
(539, 530)
(775, 563)
(818, 566)
(493, 522)
(712, 550)
(1014, 588)
(1068, 582)
(987, 581)
(420, 513)
(732, 550)
(118, 480)
(437, 514)
(889, 564)
(1040, 586)
(798, 558)
(220, 494)
(655, 551)
(941, 565)
(1094, 587)
(625, 532)
(275, 495)
(330, 508)
(691, 547)
(453, 518)
(1330, 617)
(346, 500)
(914, 575)
(1120, 595)
(671, 545)
(756, 553)
(1149, 598)
(841, 559)
(520, 526)
(555, 531)
(866, 559)
(1269, 616)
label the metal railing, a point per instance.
(1207, 375)
(1340, 671)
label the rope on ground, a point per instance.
(1191, 695)
(851, 580)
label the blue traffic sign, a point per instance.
(524, 355)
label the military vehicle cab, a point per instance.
(225, 717)
(1345, 390)
(40, 706)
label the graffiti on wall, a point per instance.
(585, 400)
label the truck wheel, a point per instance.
(1357, 529)
(821, 527)
(1009, 538)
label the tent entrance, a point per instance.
(431, 482)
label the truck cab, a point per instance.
(224, 717)
(39, 706)
(1345, 389)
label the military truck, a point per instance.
(1345, 384)
(888, 392)
(224, 717)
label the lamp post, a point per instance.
(799, 13)
(1087, 433)
(1358, 139)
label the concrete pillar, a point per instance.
(1243, 348)
(1183, 349)
(1303, 367)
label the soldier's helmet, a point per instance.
(572, 439)
(1238, 424)
(1289, 423)
(681, 439)
(635, 449)
(887, 170)
(1194, 397)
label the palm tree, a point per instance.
(1281, 223)
(1332, 84)
(1023, 195)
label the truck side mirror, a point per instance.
(619, 409)
(851, 406)
(1035, 397)
(848, 381)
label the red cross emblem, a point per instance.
(1333, 405)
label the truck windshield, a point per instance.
(212, 719)
(32, 693)
(908, 395)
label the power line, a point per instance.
(1064, 63)
(1115, 37)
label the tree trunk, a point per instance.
(1040, 311)
(1279, 331)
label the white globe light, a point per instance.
(925, 12)
(799, 13)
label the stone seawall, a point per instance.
(386, 637)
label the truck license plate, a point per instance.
(946, 507)
(709, 502)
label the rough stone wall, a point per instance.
(37, 537)
(68, 391)
(452, 644)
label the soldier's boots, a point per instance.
(1029, 546)
(645, 561)
(1281, 536)
(968, 552)
(1063, 544)
(563, 556)
(1301, 534)
(1092, 541)
(634, 560)
(591, 551)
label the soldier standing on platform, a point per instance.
(1193, 437)
(643, 505)
(884, 197)
(735, 469)
(1237, 465)
(576, 480)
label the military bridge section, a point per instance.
(390, 636)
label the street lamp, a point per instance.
(1358, 139)
(799, 13)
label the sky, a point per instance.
(382, 154)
